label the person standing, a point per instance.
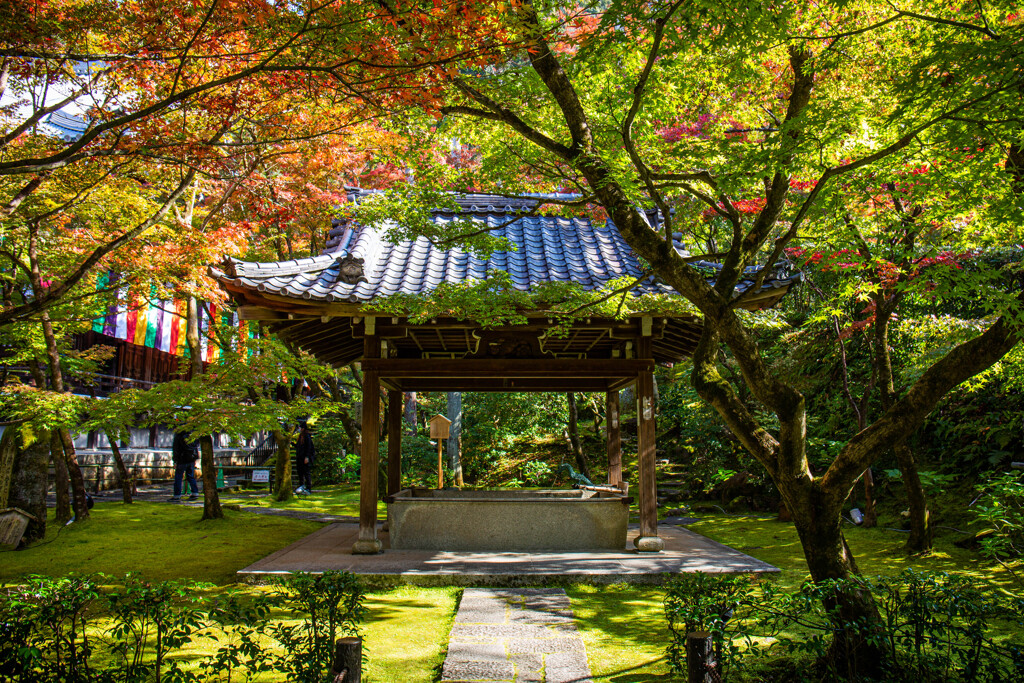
(305, 454)
(184, 453)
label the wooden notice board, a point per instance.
(439, 427)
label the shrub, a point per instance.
(331, 605)
(46, 628)
(1000, 508)
(51, 629)
(934, 627)
(706, 602)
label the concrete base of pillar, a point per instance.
(367, 546)
(649, 544)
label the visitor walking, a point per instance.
(305, 454)
(184, 453)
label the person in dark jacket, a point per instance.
(184, 452)
(305, 454)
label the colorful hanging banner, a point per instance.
(161, 324)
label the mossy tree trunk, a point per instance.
(61, 481)
(28, 479)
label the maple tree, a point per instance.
(195, 130)
(760, 117)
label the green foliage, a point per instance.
(705, 602)
(151, 620)
(419, 460)
(536, 473)
(495, 425)
(68, 629)
(934, 626)
(331, 605)
(47, 627)
(1000, 509)
(334, 462)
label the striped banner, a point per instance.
(161, 324)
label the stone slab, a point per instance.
(331, 548)
(478, 671)
(537, 653)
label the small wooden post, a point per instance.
(348, 660)
(440, 466)
(439, 429)
(701, 666)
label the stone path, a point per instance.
(515, 635)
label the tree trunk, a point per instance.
(61, 482)
(211, 500)
(574, 437)
(28, 480)
(351, 427)
(282, 465)
(851, 654)
(67, 451)
(79, 499)
(455, 435)
(920, 539)
(409, 414)
(920, 531)
(598, 418)
(125, 479)
(870, 513)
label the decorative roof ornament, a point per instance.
(350, 270)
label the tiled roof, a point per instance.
(68, 127)
(548, 249)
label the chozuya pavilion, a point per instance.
(320, 304)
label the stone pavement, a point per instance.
(515, 635)
(331, 548)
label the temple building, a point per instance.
(329, 305)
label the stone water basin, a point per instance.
(508, 520)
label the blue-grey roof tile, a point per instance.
(547, 248)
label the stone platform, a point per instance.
(330, 548)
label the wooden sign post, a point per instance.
(439, 428)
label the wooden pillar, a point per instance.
(368, 543)
(611, 422)
(648, 540)
(395, 404)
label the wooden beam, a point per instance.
(497, 384)
(259, 313)
(509, 367)
(648, 540)
(368, 543)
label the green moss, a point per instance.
(340, 499)
(406, 633)
(624, 631)
(159, 540)
(878, 551)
